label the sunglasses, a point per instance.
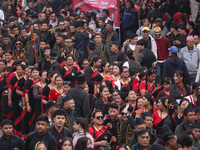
(99, 117)
(124, 114)
(68, 42)
(16, 44)
(125, 71)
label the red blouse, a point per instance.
(156, 118)
(53, 95)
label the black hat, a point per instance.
(102, 19)
(5, 35)
(34, 15)
(12, 20)
(64, 13)
(67, 98)
(26, 21)
(4, 30)
(67, 19)
(53, 55)
(79, 24)
(110, 22)
(91, 45)
(50, 104)
(81, 78)
(72, 24)
(146, 114)
(45, 21)
(139, 121)
(61, 35)
(67, 37)
(163, 130)
(35, 31)
(14, 26)
(116, 43)
(9, 11)
(165, 101)
(195, 125)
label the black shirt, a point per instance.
(114, 125)
(33, 138)
(13, 142)
(59, 135)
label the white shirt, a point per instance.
(1, 16)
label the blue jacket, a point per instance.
(173, 64)
(128, 19)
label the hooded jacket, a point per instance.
(173, 64)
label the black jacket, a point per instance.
(82, 106)
(33, 138)
(146, 58)
(81, 45)
(13, 142)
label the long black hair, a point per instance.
(181, 74)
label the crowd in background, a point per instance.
(70, 81)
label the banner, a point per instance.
(98, 6)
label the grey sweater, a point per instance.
(191, 58)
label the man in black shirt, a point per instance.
(55, 66)
(8, 141)
(58, 130)
(40, 134)
(145, 57)
(45, 63)
(113, 113)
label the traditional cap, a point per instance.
(34, 15)
(67, 37)
(61, 35)
(81, 78)
(165, 101)
(159, 19)
(26, 21)
(64, 13)
(190, 37)
(116, 43)
(163, 130)
(173, 49)
(79, 24)
(53, 55)
(67, 19)
(139, 121)
(9, 11)
(157, 28)
(5, 36)
(67, 98)
(188, 108)
(195, 125)
(110, 22)
(146, 114)
(45, 21)
(91, 45)
(50, 104)
(14, 26)
(35, 31)
(102, 19)
(145, 29)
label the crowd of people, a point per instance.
(70, 81)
